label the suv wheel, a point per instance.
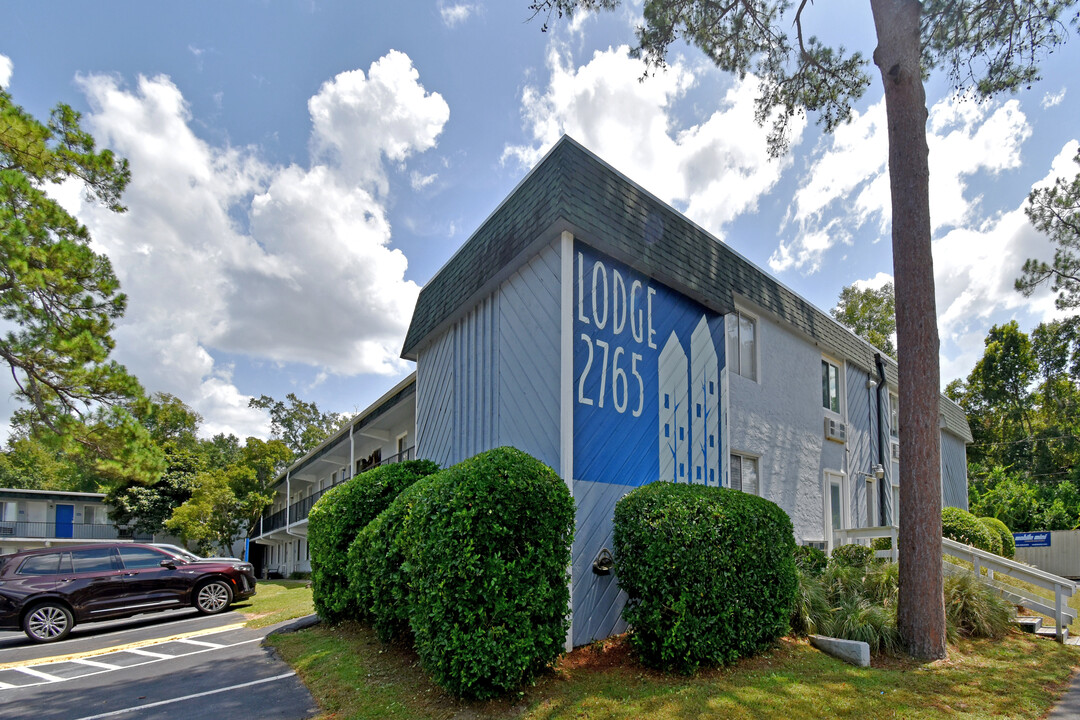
(48, 622)
(213, 597)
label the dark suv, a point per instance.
(47, 591)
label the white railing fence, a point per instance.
(994, 565)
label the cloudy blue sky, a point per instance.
(302, 168)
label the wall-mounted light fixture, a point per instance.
(603, 563)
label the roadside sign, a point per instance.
(1032, 539)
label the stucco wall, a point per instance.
(780, 419)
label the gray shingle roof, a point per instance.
(573, 189)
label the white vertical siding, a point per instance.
(435, 401)
(492, 378)
(953, 471)
(529, 357)
(860, 448)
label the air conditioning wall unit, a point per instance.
(895, 451)
(835, 430)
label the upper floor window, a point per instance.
(894, 415)
(742, 345)
(830, 386)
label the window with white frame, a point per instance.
(830, 385)
(894, 415)
(742, 345)
(744, 473)
(9, 511)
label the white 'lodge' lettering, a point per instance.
(620, 304)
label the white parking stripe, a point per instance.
(199, 642)
(94, 663)
(147, 653)
(38, 674)
(106, 667)
(137, 708)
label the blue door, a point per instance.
(65, 514)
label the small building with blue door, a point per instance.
(596, 328)
(43, 518)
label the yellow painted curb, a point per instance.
(105, 651)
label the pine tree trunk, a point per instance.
(921, 608)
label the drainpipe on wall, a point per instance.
(882, 504)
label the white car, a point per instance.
(190, 556)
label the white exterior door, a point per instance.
(836, 506)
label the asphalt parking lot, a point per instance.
(169, 665)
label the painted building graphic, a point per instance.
(674, 397)
(705, 406)
(647, 391)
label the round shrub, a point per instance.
(855, 556)
(710, 573)
(810, 560)
(487, 546)
(337, 517)
(377, 572)
(962, 526)
(1008, 542)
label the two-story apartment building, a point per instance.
(43, 518)
(381, 434)
(596, 328)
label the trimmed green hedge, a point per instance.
(337, 517)
(810, 560)
(378, 575)
(962, 526)
(1008, 542)
(710, 573)
(851, 555)
(487, 548)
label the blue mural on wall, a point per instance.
(648, 391)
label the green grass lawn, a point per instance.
(275, 601)
(352, 675)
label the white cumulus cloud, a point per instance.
(1053, 99)
(223, 251)
(975, 268)
(716, 169)
(454, 15)
(6, 69)
(846, 186)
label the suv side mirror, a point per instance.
(171, 564)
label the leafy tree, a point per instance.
(300, 424)
(170, 421)
(212, 517)
(254, 473)
(30, 464)
(61, 299)
(146, 508)
(988, 47)
(870, 314)
(1003, 377)
(1055, 211)
(221, 450)
(225, 502)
